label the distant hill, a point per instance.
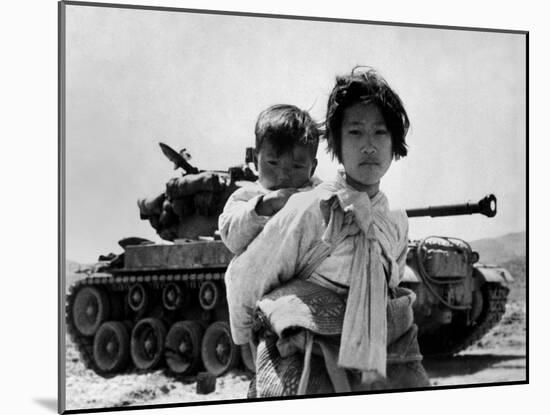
(72, 266)
(507, 251)
(74, 272)
(502, 249)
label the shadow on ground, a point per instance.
(469, 364)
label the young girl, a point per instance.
(342, 237)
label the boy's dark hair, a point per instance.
(285, 126)
(365, 85)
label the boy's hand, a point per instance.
(274, 201)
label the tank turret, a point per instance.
(189, 206)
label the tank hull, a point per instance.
(180, 287)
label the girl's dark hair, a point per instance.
(365, 85)
(286, 126)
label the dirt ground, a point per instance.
(499, 357)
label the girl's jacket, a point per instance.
(300, 236)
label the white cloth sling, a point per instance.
(354, 214)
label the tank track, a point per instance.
(121, 284)
(454, 338)
(83, 344)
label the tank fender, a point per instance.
(410, 276)
(490, 273)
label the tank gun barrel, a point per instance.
(486, 206)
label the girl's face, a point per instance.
(366, 146)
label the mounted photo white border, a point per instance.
(38, 395)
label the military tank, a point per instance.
(163, 305)
(459, 299)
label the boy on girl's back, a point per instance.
(287, 139)
(344, 238)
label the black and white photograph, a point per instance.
(262, 206)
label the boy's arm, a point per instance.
(270, 260)
(239, 223)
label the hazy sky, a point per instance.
(136, 77)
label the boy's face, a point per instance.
(366, 144)
(292, 168)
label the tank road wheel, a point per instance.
(111, 347)
(477, 305)
(209, 295)
(90, 310)
(137, 297)
(219, 353)
(173, 297)
(147, 343)
(248, 358)
(183, 347)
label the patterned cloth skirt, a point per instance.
(278, 375)
(284, 317)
